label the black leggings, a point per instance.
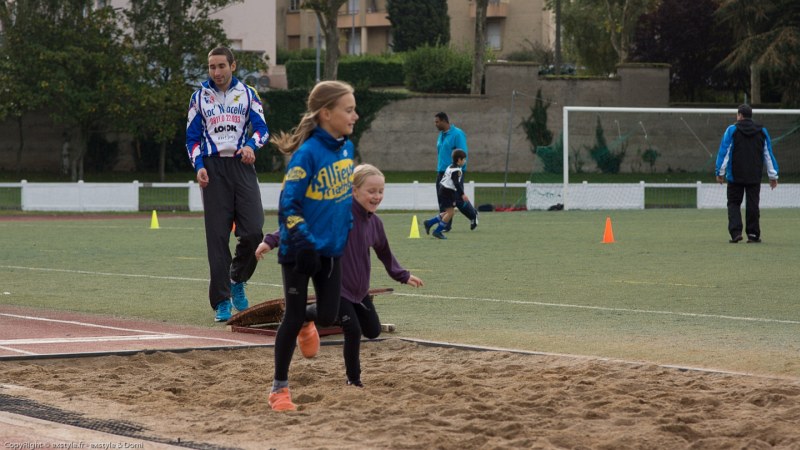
(357, 319)
(327, 287)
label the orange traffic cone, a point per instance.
(608, 234)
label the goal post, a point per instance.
(654, 141)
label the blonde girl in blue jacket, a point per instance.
(314, 219)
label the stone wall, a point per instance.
(403, 137)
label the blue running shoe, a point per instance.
(223, 311)
(238, 297)
(439, 235)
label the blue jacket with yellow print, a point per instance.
(314, 210)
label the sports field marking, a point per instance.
(8, 349)
(609, 309)
(591, 358)
(74, 340)
(657, 283)
(150, 334)
(125, 275)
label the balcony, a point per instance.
(371, 19)
(496, 9)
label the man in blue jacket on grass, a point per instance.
(745, 151)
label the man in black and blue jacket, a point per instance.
(745, 150)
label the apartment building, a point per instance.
(511, 25)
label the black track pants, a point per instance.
(232, 195)
(327, 287)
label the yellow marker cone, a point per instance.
(414, 229)
(608, 234)
(154, 221)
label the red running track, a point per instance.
(33, 333)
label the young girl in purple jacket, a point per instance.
(357, 313)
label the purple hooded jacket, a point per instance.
(367, 232)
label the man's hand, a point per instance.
(720, 179)
(248, 155)
(202, 177)
(773, 184)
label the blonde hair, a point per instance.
(364, 171)
(324, 96)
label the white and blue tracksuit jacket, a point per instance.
(218, 122)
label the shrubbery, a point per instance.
(438, 69)
(363, 71)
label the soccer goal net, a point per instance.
(632, 158)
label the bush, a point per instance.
(438, 69)
(363, 71)
(552, 156)
(284, 108)
(607, 161)
(283, 56)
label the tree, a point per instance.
(684, 34)
(419, 22)
(535, 125)
(21, 21)
(478, 63)
(620, 22)
(768, 35)
(327, 12)
(172, 39)
(75, 56)
(599, 32)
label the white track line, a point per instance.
(519, 302)
(149, 334)
(17, 351)
(148, 337)
(605, 308)
(594, 358)
(125, 275)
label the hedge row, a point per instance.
(365, 71)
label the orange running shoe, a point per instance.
(281, 400)
(308, 340)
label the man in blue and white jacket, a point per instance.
(745, 150)
(221, 113)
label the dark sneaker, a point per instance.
(223, 311)
(428, 226)
(439, 235)
(238, 297)
(736, 239)
(752, 239)
(448, 227)
(356, 383)
(474, 223)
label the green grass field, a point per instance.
(670, 290)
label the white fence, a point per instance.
(631, 195)
(92, 197)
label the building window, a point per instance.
(494, 35)
(294, 5)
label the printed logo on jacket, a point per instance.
(332, 182)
